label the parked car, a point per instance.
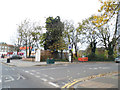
(117, 59)
(15, 57)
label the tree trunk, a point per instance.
(55, 55)
(18, 47)
(110, 51)
(17, 51)
(110, 54)
(75, 50)
(93, 47)
(26, 48)
(29, 51)
(61, 54)
(29, 48)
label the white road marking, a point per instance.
(6, 78)
(31, 73)
(101, 68)
(10, 79)
(44, 79)
(0, 80)
(68, 71)
(90, 68)
(20, 76)
(84, 71)
(27, 71)
(52, 68)
(105, 68)
(51, 78)
(37, 72)
(68, 76)
(46, 75)
(51, 83)
(95, 68)
(37, 76)
(43, 69)
(33, 70)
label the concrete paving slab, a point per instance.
(95, 84)
(102, 82)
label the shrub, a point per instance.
(92, 57)
(100, 57)
(61, 60)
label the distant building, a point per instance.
(5, 48)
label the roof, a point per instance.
(5, 44)
(23, 48)
(10, 45)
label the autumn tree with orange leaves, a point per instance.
(108, 11)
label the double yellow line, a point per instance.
(70, 84)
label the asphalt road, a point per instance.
(51, 76)
(0, 76)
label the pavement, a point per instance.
(100, 82)
(21, 63)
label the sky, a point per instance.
(13, 12)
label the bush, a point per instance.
(100, 57)
(31, 57)
(92, 57)
(43, 59)
(75, 58)
(61, 60)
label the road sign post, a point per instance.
(70, 48)
(37, 55)
(70, 57)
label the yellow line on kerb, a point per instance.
(87, 78)
(66, 85)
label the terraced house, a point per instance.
(5, 48)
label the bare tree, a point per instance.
(29, 34)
